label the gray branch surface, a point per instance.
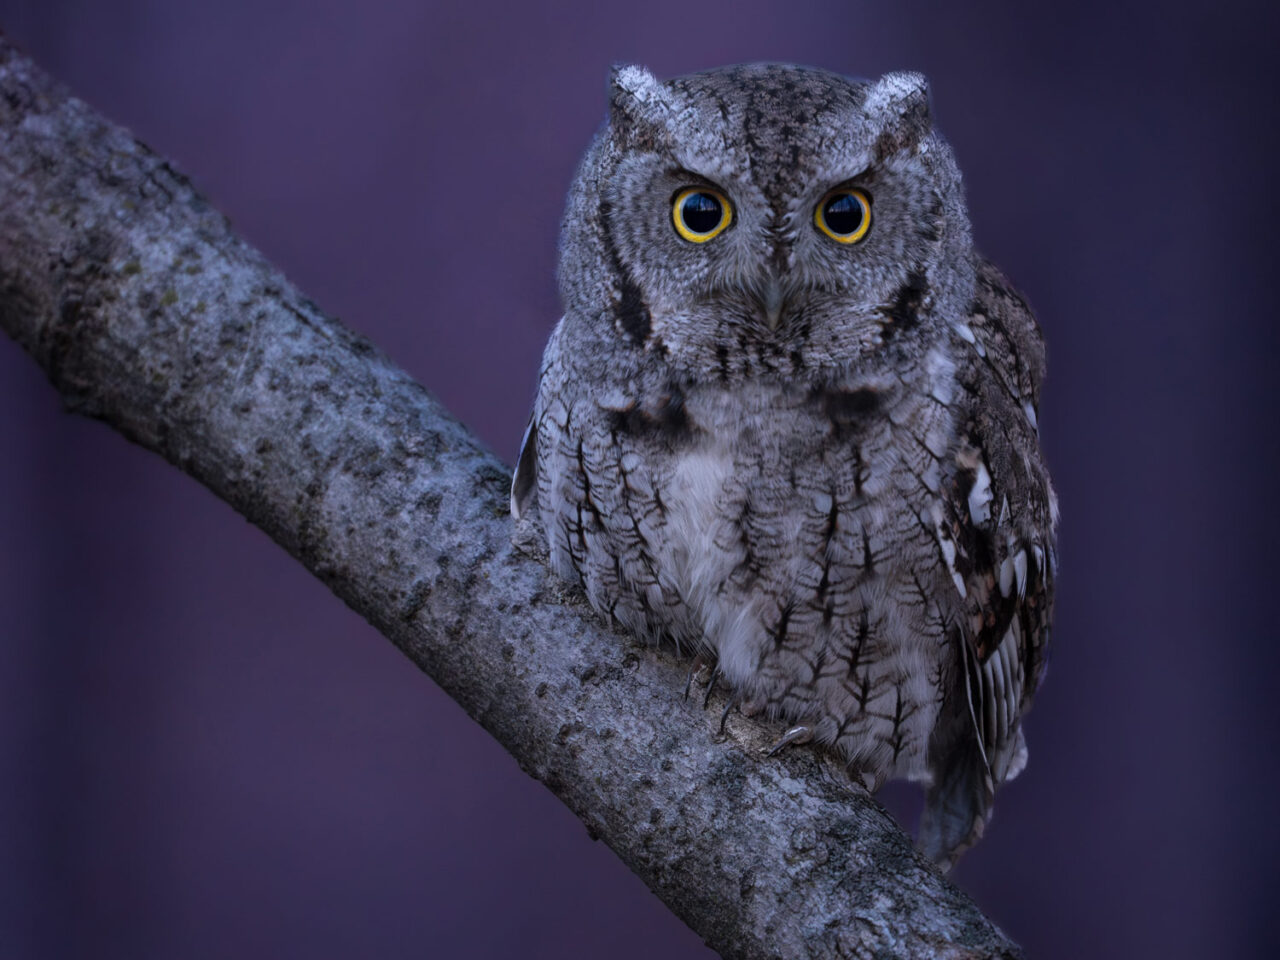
(147, 312)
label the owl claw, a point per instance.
(711, 686)
(728, 707)
(870, 779)
(799, 734)
(695, 668)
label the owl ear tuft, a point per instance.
(901, 102)
(636, 98)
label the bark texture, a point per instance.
(147, 312)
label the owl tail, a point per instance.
(957, 805)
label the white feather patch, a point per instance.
(1006, 577)
(930, 478)
(1020, 571)
(980, 496)
(1018, 759)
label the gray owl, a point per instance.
(788, 421)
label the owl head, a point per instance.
(765, 219)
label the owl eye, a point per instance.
(701, 213)
(844, 215)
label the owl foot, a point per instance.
(871, 780)
(753, 706)
(693, 672)
(697, 669)
(799, 734)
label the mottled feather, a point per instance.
(815, 463)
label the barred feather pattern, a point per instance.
(848, 512)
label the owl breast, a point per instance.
(788, 530)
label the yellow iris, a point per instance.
(844, 215)
(701, 213)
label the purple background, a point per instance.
(204, 754)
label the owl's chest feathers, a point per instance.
(792, 533)
(787, 527)
(779, 490)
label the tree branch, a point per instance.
(147, 312)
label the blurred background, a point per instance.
(204, 754)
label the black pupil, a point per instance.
(843, 213)
(701, 212)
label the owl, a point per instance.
(788, 422)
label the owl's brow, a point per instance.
(866, 176)
(691, 176)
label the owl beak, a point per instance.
(772, 299)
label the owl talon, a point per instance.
(694, 669)
(871, 780)
(799, 734)
(728, 707)
(711, 686)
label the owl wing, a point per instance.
(999, 515)
(524, 481)
(527, 534)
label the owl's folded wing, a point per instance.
(524, 482)
(1003, 512)
(997, 533)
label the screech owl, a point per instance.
(789, 421)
